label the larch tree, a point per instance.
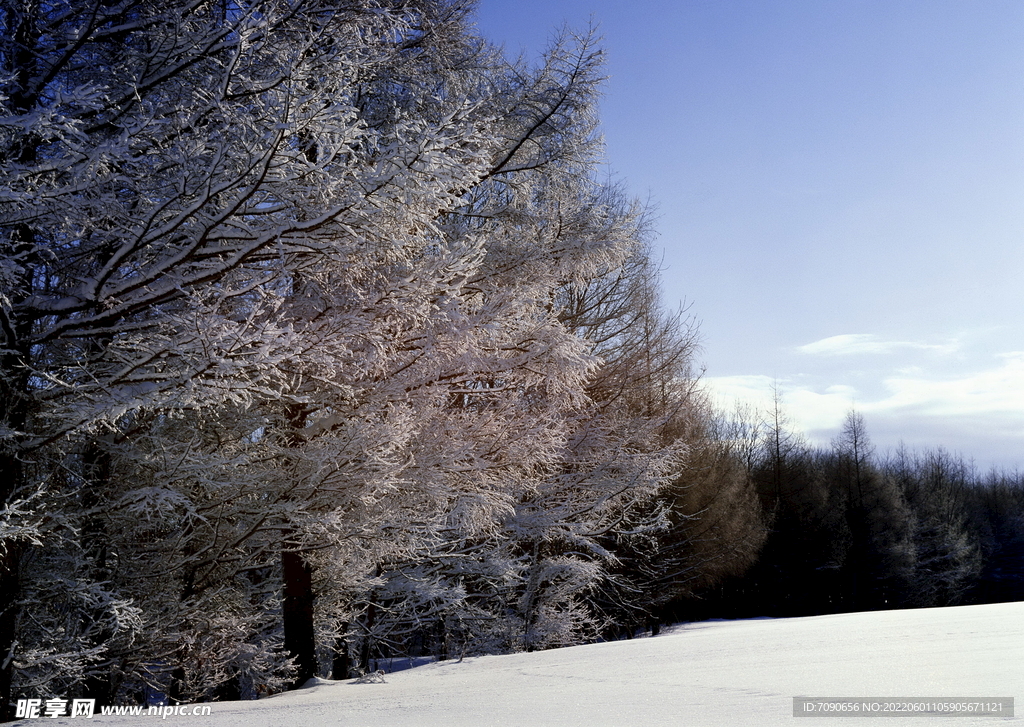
(879, 560)
(283, 296)
(699, 519)
(538, 477)
(169, 173)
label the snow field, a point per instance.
(714, 673)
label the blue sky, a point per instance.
(840, 194)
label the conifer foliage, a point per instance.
(290, 374)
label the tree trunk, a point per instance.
(364, 657)
(299, 635)
(340, 663)
(299, 631)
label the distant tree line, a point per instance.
(848, 530)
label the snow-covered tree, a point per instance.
(946, 555)
(170, 171)
(283, 297)
(535, 475)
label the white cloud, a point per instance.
(867, 343)
(985, 404)
(813, 410)
(807, 407)
(754, 389)
(998, 390)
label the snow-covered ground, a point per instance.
(718, 673)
